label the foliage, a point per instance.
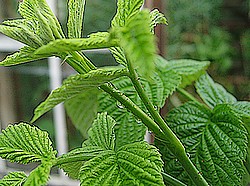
(200, 143)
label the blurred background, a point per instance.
(214, 30)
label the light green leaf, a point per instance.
(242, 108)
(213, 93)
(119, 55)
(82, 110)
(101, 134)
(26, 54)
(38, 27)
(24, 143)
(138, 43)
(94, 41)
(125, 10)
(216, 142)
(39, 176)
(76, 85)
(133, 164)
(190, 70)
(22, 30)
(75, 19)
(72, 162)
(49, 27)
(13, 179)
(157, 18)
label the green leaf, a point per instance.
(212, 93)
(216, 142)
(76, 85)
(157, 18)
(94, 41)
(242, 108)
(24, 143)
(72, 162)
(138, 43)
(49, 27)
(38, 27)
(26, 54)
(39, 176)
(190, 70)
(133, 164)
(119, 55)
(82, 110)
(101, 134)
(13, 179)
(125, 10)
(75, 19)
(22, 30)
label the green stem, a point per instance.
(171, 180)
(187, 95)
(174, 144)
(133, 108)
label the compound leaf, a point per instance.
(94, 41)
(216, 142)
(75, 18)
(13, 179)
(75, 85)
(24, 143)
(213, 93)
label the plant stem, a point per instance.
(187, 95)
(171, 180)
(133, 108)
(173, 143)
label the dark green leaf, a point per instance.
(216, 142)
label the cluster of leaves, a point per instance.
(114, 153)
